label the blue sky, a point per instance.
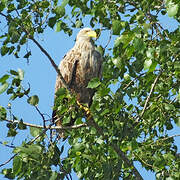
(41, 76)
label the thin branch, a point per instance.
(49, 126)
(148, 98)
(164, 139)
(7, 145)
(109, 40)
(8, 160)
(37, 109)
(144, 162)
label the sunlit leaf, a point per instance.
(35, 131)
(4, 78)
(17, 165)
(172, 9)
(94, 83)
(3, 87)
(147, 64)
(116, 27)
(33, 100)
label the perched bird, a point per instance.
(79, 66)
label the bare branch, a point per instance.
(109, 40)
(164, 139)
(49, 126)
(8, 160)
(7, 145)
(148, 98)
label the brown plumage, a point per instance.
(79, 66)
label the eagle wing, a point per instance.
(77, 74)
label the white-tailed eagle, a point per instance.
(81, 64)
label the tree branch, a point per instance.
(150, 93)
(164, 139)
(10, 146)
(49, 126)
(8, 160)
(109, 40)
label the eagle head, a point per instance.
(86, 34)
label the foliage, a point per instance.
(143, 65)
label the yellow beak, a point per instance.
(92, 34)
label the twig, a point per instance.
(109, 40)
(148, 98)
(7, 145)
(8, 160)
(49, 126)
(164, 139)
(144, 162)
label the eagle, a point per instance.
(81, 64)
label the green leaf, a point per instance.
(178, 121)
(60, 11)
(4, 50)
(61, 92)
(94, 83)
(11, 132)
(150, 53)
(100, 49)
(17, 165)
(125, 38)
(147, 64)
(172, 9)
(15, 37)
(52, 22)
(127, 77)
(27, 55)
(153, 66)
(2, 113)
(4, 78)
(14, 72)
(139, 44)
(169, 107)
(58, 26)
(178, 96)
(8, 173)
(78, 24)
(33, 100)
(116, 27)
(21, 125)
(53, 176)
(33, 150)
(35, 131)
(64, 3)
(3, 87)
